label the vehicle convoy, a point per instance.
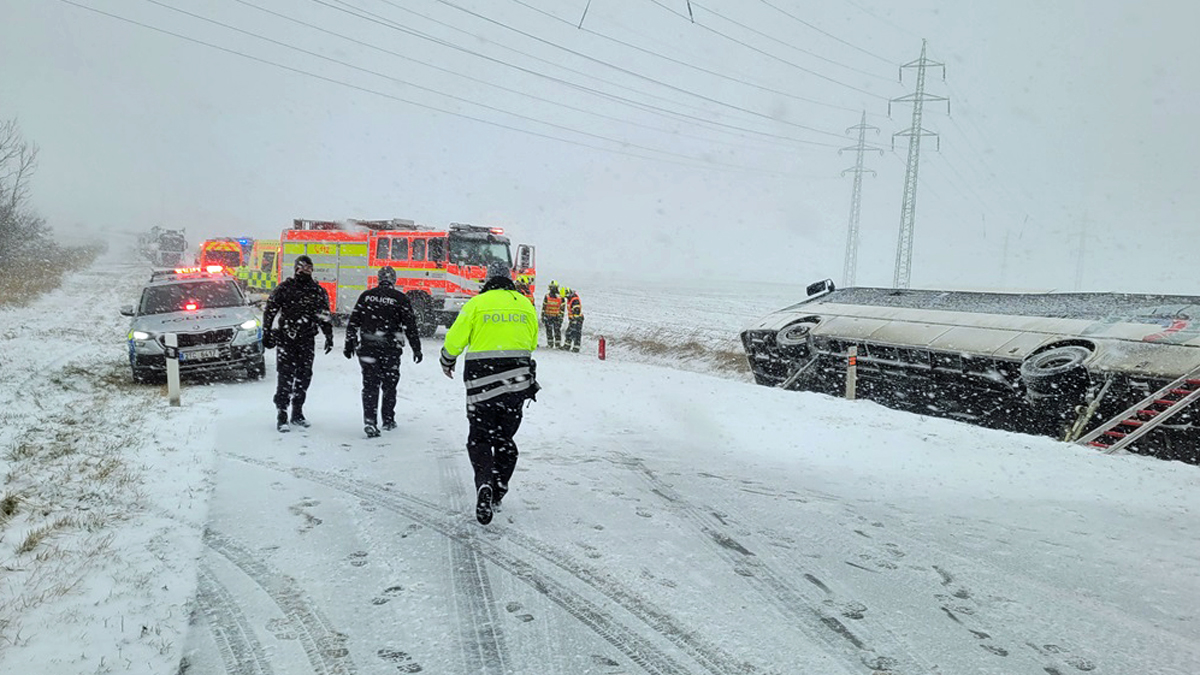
(438, 269)
(216, 329)
(1055, 364)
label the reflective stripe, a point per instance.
(493, 393)
(498, 354)
(498, 377)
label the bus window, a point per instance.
(418, 249)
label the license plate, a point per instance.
(200, 354)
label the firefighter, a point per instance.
(375, 330)
(498, 328)
(574, 321)
(524, 286)
(303, 309)
(552, 315)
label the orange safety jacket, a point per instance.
(574, 308)
(552, 306)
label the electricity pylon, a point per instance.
(850, 268)
(908, 205)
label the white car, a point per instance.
(216, 328)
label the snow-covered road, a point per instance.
(660, 521)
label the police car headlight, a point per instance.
(139, 335)
(252, 324)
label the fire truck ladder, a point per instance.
(1143, 417)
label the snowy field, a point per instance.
(660, 521)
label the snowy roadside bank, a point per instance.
(96, 563)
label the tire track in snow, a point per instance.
(240, 650)
(880, 652)
(482, 643)
(638, 649)
(324, 646)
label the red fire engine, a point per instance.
(439, 269)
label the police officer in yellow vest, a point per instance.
(499, 330)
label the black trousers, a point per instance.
(490, 444)
(380, 371)
(553, 326)
(293, 369)
(574, 333)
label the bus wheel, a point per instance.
(1057, 373)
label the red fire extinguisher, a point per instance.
(602, 350)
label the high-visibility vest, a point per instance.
(574, 308)
(552, 305)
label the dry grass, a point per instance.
(662, 344)
(23, 281)
(8, 507)
(39, 535)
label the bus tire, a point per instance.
(1058, 372)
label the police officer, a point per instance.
(498, 328)
(374, 331)
(552, 315)
(574, 321)
(303, 309)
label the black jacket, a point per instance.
(379, 316)
(303, 309)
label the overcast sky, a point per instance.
(642, 144)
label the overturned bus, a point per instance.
(1115, 371)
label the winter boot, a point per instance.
(298, 417)
(389, 425)
(281, 421)
(372, 430)
(498, 492)
(483, 505)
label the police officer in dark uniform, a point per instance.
(498, 329)
(303, 309)
(374, 331)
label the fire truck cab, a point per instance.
(439, 269)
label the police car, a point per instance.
(217, 331)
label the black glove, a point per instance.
(328, 345)
(268, 338)
(348, 351)
(417, 356)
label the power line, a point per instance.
(685, 64)
(429, 89)
(475, 79)
(626, 70)
(776, 58)
(791, 46)
(368, 90)
(825, 33)
(389, 23)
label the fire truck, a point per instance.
(439, 269)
